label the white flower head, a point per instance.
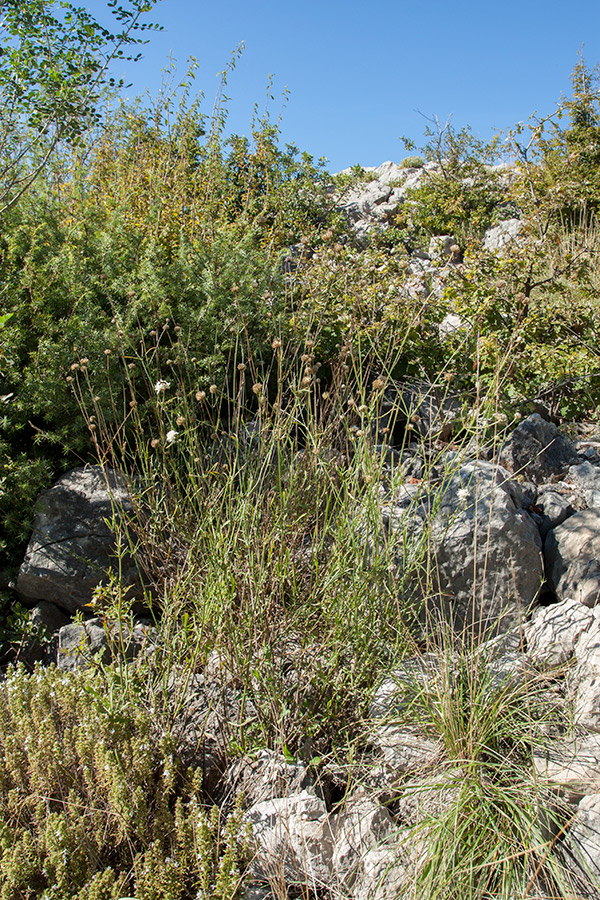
(161, 386)
(171, 436)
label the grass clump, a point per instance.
(489, 827)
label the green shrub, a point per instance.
(412, 162)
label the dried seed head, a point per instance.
(276, 344)
(241, 367)
(257, 388)
(180, 420)
(154, 442)
(378, 384)
(213, 389)
(200, 395)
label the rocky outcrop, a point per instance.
(572, 557)
(72, 546)
(537, 450)
(486, 547)
(371, 205)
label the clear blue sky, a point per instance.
(360, 74)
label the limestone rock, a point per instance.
(582, 842)
(386, 871)
(72, 547)
(554, 631)
(403, 750)
(572, 552)
(556, 509)
(266, 777)
(358, 827)
(487, 549)
(79, 642)
(501, 237)
(293, 840)
(572, 764)
(537, 450)
(585, 477)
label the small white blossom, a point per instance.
(171, 436)
(161, 386)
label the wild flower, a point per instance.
(161, 386)
(172, 436)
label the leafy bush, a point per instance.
(460, 195)
(412, 162)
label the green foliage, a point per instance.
(412, 162)
(494, 832)
(460, 196)
(559, 155)
(117, 242)
(92, 802)
(52, 77)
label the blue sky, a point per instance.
(360, 75)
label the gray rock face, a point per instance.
(79, 642)
(585, 677)
(582, 842)
(71, 547)
(266, 777)
(361, 825)
(500, 238)
(294, 842)
(554, 631)
(420, 407)
(404, 751)
(537, 450)
(387, 871)
(370, 206)
(556, 509)
(487, 549)
(585, 478)
(572, 552)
